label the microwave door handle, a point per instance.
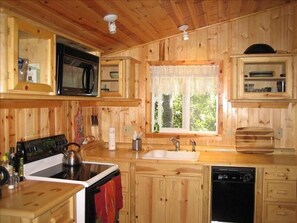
(87, 73)
(84, 80)
(92, 72)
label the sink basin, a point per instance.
(171, 155)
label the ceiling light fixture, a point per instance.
(184, 29)
(111, 18)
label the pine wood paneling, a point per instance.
(276, 27)
(219, 42)
(30, 123)
(139, 22)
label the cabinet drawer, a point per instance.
(61, 213)
(280, 191)
(168, 169)
(280, 212)
(284, 173)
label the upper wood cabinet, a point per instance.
(262, 76)
(117, 76)
(31, 53)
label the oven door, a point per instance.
(92, 193)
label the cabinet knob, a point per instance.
(282, 192)
(281, 174)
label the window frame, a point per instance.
(148, 109)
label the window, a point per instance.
(184, 99)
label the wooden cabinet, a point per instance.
(61, 213)
(168, 193)
(280, 195)
(31, 66)
(117, 76)
(39, 202)
(262, 76)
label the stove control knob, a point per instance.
(247, 177)
(222, 177)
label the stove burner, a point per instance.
(82, 172)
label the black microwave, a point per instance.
(76, 72)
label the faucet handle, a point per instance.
(176, 143)
(193, 143)
(173, 139)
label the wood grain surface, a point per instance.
(254, 140)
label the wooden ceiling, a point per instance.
(139, 21)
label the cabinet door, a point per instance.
(264, 77)
(31, 63)
(184, 199)
(117, 76)
(112, 78)
(150, 198)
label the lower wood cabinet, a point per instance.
(168, 193)
(280, 195)
(62, 213)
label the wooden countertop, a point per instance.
(33, 198)
(97, 152)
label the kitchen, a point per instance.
(34, 118)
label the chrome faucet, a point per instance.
(176, 143)
(193, 143)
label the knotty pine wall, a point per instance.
(277, 27)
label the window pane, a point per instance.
(178, 111)
(185, 98)
(167, 111)
(171, 111)
(203, 112)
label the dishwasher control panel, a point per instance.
(234, 174)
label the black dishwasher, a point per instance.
(233, 194)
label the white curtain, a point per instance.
(174, 79)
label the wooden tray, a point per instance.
(254, 140)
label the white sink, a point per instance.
(171, 155)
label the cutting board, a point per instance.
(254, 140)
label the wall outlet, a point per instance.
(278, 133)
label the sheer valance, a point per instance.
(175, 79)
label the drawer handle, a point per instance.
(282, 192)
(281, 213)
(281, 174)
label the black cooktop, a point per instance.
(81, 172)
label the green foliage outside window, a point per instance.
(202, 112)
